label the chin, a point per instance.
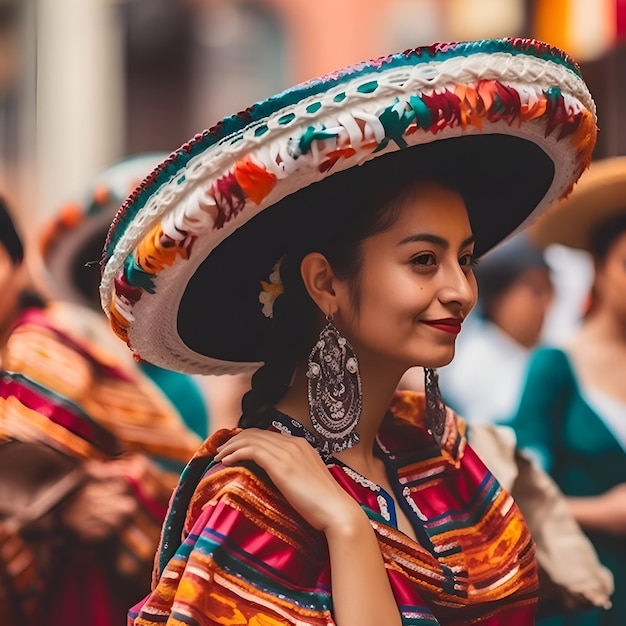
(435, 360)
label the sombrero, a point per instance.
(191, 259)
(599, 194)
(70, 245)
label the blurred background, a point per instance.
(85, 82)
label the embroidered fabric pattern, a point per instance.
(76, 397)
(450, 577)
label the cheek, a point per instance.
(471, 279)
(523, 311)
(385, 288)
(616, 288)
(618, 279)
(611, 283)
(389, 303)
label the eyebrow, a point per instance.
(440, 241)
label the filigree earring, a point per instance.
(334, 390)
(435, 408)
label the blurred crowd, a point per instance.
(541, 364)
(92, 441)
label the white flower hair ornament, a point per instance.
(271, 290)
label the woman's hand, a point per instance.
(605, 513)
(103, 505)
(298, 473)
(360, 587)
(613, 504)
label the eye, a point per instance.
(424, 259)
(468, 261)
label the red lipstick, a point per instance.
(450, 325)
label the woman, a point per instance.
(572, 413)
(90, 448)
(326, 237)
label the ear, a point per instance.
(319, 280)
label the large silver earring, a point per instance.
(435, 408)
(334, 390)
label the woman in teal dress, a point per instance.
(572, 412)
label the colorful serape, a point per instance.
(234, 552)
(113, 394)
(61, 387)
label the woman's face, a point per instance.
(416, 284)
(611, 278)
(521, 309)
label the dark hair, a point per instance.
(9, 237)
(373, 207)
(601, 240)
(502, 267)
(604, 235)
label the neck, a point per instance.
(603, 324)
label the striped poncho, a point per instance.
(234, 552)
(64, 392)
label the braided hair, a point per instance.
(294, 320)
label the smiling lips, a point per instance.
(450, 325)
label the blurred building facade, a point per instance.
(84, 82)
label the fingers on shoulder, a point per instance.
(265, 447)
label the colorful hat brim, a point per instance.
(71, 263)
(599, 194)
(510, 120)
(71, 245)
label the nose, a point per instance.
(458, 287)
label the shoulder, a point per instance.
(232, 508)
(407, 408)
(549, 361)
(43, 345)
(405, 429)
(244, 488)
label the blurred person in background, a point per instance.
(572, 412)
(90, 451)
(70, 250)
(515, 292)
(13, 271)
